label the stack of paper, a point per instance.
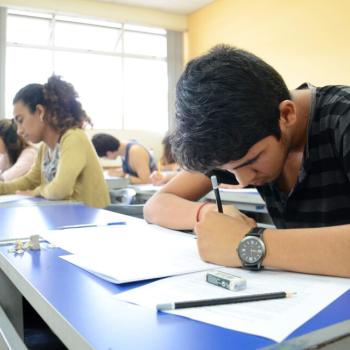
(273, 319)
(132, 252)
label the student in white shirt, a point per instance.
(16, 155)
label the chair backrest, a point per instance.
(135, 210)
(122, 196)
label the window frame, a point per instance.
(123, 27)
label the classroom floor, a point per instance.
(37, 335)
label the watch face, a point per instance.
(251, 250)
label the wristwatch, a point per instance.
(251, 249)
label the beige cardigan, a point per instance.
(79, 175)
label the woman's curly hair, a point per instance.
(63, 111)
(14, 143)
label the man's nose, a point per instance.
(245, 177)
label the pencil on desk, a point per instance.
(158, 168)
(223, 301)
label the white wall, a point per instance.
(149, 139)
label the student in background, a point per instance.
(67, 166)
(137, 162)
(16, 155)
(167, 166)
(235, 116)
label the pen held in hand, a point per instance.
(223, 301)
(214, 182)
(158, 168)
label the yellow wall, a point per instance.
(104, 10)
(305, 40)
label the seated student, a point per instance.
(168, 167)
(136, 160)
(235, 114)
(67, 166)
(16, 155)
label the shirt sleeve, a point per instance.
(71, 162)
(342, 141)
(22, 165)
(27, 182)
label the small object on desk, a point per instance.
(226, 280)
(34, 242)
(223, 301)
(18, 245)
(18, 248)
(214, 182)
(21, 246)
(91, 225)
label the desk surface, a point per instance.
(79, 306)
(21, 221)
(61, 293)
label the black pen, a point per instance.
(214, 183)
(222, 301)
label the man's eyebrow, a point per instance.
(247, 162)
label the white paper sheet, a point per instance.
(13, 197)
(132, 252)
(273, 319)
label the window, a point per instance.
(118, 70)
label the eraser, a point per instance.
(226, 280)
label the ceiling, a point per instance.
(183, 7)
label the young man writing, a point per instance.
(235, 114)
(137, 162)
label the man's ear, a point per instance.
(288, 116)
(40, 110)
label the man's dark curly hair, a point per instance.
(226, 101)
(104, 143)
(63, 110)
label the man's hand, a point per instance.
(157, 178)
(218, 236)
(230, 210)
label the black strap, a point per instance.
(256, 232)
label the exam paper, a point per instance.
(13, 197)
(132, 252)
(273, 319)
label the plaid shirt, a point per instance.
(321, 195)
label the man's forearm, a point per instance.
(322, 251)
(169, 210)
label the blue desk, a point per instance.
(80, 309)
(22, 221)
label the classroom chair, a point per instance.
(135, 210)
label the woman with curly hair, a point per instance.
(16, 155)
(67, 166)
